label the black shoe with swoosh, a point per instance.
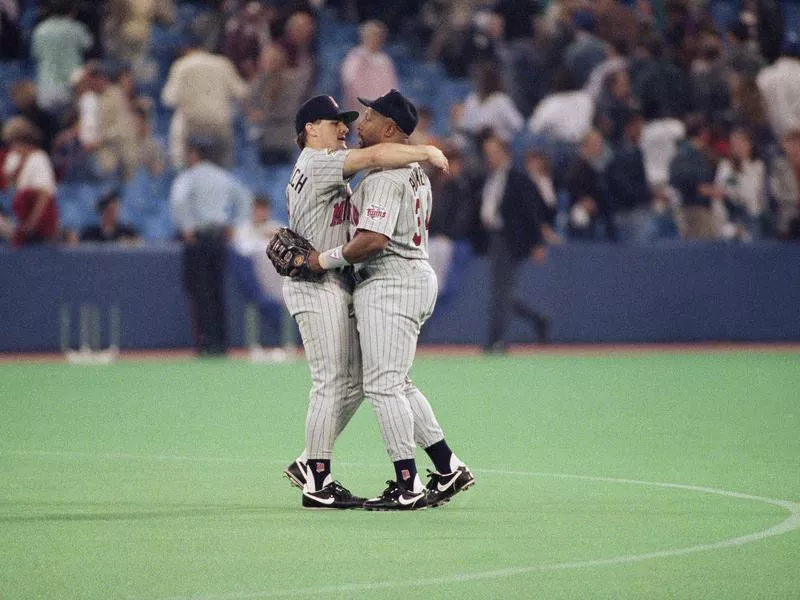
(443, 486)
(396, 498)
(333, 495)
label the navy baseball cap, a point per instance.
(397, 107)
(322, 107)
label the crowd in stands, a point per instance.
(636, 121)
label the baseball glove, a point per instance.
(289, 252)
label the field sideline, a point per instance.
(603, 472)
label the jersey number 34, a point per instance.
(417, 239)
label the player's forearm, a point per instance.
(361, 248)
(384, 156)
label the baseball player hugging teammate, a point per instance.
(318, 202)
(395, 292)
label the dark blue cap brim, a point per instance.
(348, 116)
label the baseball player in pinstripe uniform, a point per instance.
(395, 293)
(318, 202)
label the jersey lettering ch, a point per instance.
(396, 203)
(318, 198)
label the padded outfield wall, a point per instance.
(682, 292)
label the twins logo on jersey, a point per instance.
(376, 212)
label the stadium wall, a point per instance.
(593, 293)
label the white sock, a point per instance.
(455, 462)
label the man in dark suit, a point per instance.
(511, 209)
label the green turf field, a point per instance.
(162, 480)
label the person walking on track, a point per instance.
(395, 293)
(318, 202)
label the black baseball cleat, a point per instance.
(333, 495)
(296, 472)
(442, 487)
(396, 498)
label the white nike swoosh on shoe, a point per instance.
(444, 488)
(401, 499)
(330, 500)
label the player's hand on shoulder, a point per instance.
(437, 158)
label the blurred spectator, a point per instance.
(109, 229)
(297, 38)
(81, 151)
(510, 209)
(275, 96)
(742, 57)
(615, 104)
(692, 175)
(463, 37)
(251, 237)
(616, 60)
(519, 17)
(28, 169)
(128, 23)
(23, 95)
(660, 137)
(780, 87)
(148, 153)
(10, 46)
(566, 114)
(250, 266)
(785, 186)
(201, 87)
(489, 107)
(767, 15)
(117, 152)
(742, 177)
(367, 71)
(709, 77)
(207, 202)
(628, 190)
(586, 51)
(658, 82)
(453, 214)
(589, 212)
(748, 110)
(58, 46)
(525, 68)
(616, 20)
(539, 170)
(246, 35)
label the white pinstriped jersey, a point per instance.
(396, 203)
(318, 198)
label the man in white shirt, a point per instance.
(780, 88)
(566, 114)
(202, 88)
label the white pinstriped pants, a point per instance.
(391, 306)
(322, 311)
